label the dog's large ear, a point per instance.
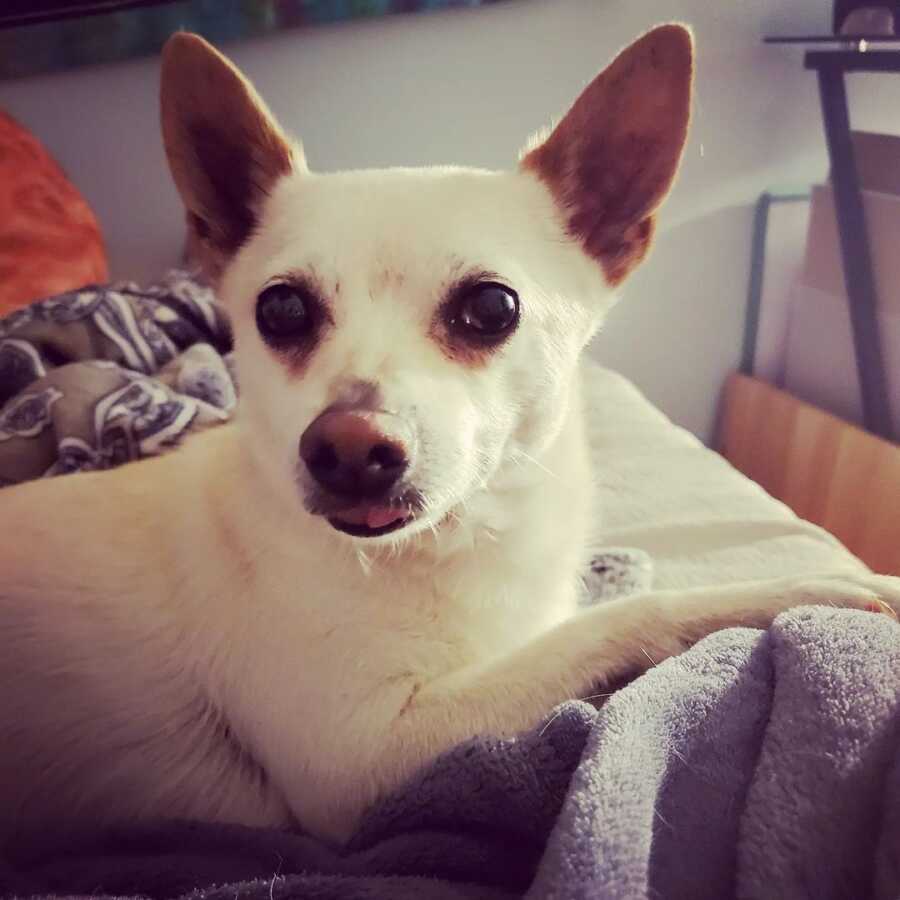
(225, 148)
(612, 159)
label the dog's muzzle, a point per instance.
(358, 458)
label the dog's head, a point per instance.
(405, 335)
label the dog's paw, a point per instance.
(872, 593)
(617, 572)
(756, 605)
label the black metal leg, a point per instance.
(854, 237)
(754, 293)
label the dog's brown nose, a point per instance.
(356, 453)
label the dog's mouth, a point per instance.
(371, 520)
(367, 517)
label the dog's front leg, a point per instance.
(600, 648)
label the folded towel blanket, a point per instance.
(756, 765)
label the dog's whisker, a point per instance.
(549, 722)
(365, 563)
(527, 456)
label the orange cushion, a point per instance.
(50, 241)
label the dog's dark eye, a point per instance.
(284, 311)
(486, 311)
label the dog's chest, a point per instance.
(320, 672)
(342, 631)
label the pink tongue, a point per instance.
(379, 516)
(373, 516)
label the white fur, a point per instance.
(212, 650)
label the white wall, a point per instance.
(468, 87)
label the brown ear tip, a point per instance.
(675, 37)
(178, 42)
(184, 40)
(185, 45)
(679, 30)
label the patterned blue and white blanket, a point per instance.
(106, 375)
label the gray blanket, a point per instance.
(756, 765)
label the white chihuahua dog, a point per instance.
(281, 621)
